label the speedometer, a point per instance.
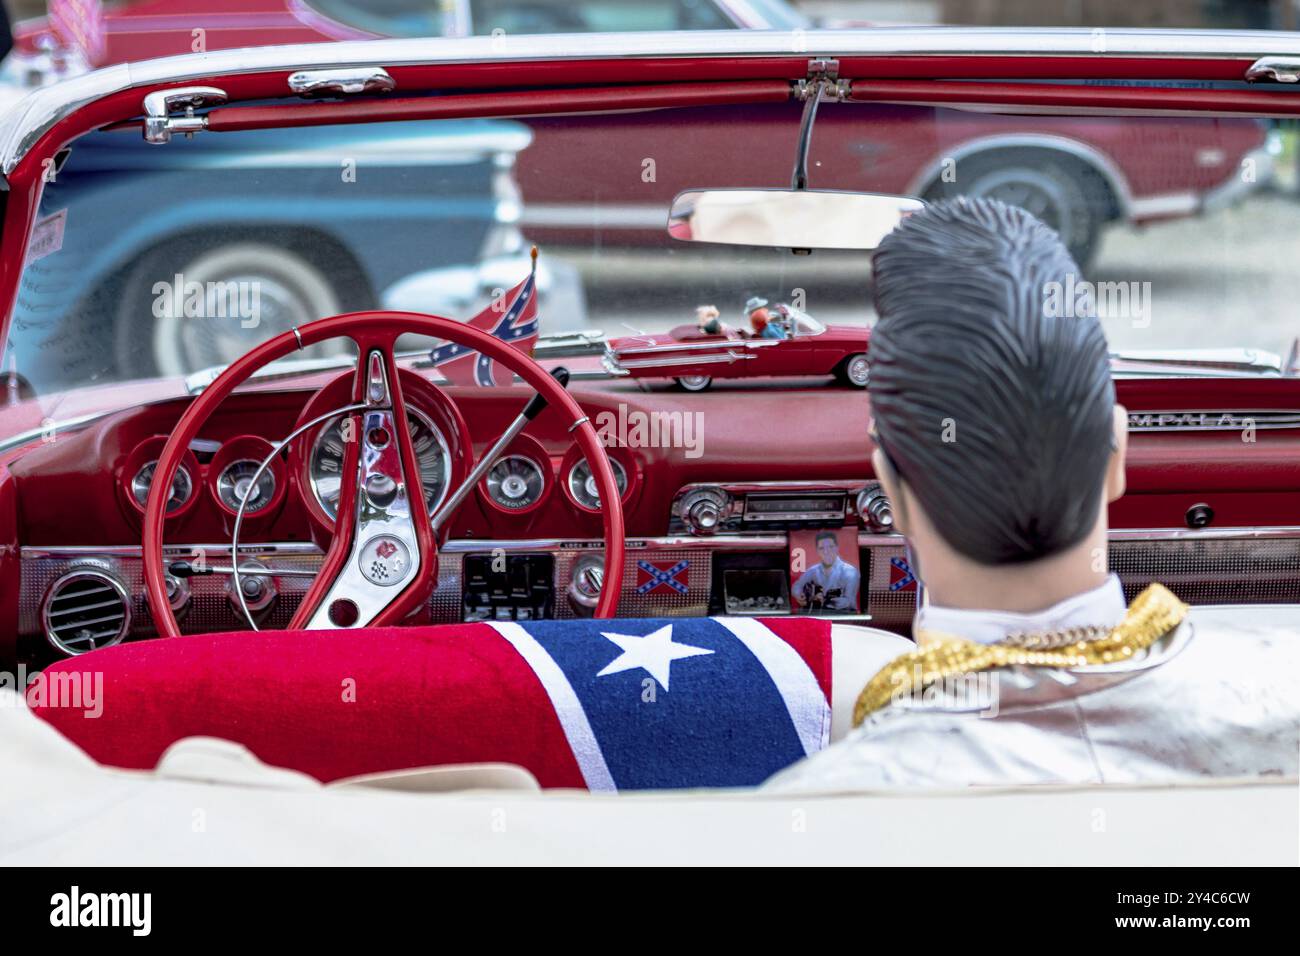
(432, 457)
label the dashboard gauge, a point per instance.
(182, 486)
(582, 483)
(432, 457)
(516, 483)
(235, 484)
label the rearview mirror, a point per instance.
(797, 219)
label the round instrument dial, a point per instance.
(516, 482)
(582, 483)
(235, 484)
(432, 457)
(182, 486)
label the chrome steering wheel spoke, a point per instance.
(384, 553)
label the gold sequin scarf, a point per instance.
(1153, 614)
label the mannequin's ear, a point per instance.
(1119, 446)
(889, 480)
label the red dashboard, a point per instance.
(1197, 511)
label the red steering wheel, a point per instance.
(382, 563)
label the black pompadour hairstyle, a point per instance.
(823, 535)
(996, 411)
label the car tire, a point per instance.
(292, 288)
(854, 371)
(694, 383)
(1059, 194)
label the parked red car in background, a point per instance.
(1076, 174)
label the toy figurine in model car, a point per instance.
(780, 341)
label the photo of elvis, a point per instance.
(832, 583)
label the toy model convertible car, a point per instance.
(339, 555)
(694, 357)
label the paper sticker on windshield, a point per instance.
(47, 237)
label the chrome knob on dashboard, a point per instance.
(704, 510)
(586, 583)
(178, 593)
(258, 587)
(876, 511)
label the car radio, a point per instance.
(764, 507)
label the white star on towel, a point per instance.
(653, 653)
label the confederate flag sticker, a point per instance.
(901, 577)
(662, 576)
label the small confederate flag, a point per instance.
(517, 324)
(652, 576)
(901, 577)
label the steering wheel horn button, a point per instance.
(384, 560)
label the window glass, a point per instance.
(1182, 228)
(596, 16)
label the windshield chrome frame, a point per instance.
(40, 110)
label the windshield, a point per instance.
(421, 18)
(152, 261)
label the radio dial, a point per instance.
(876, 511)
(704, 510)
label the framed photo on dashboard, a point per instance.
(825, 576)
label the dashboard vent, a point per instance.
(85, 610)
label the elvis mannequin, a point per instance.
(1000, 443)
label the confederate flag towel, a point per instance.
(607, 705)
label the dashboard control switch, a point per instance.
(1200, 516)
(584, 588)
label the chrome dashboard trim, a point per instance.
(30, 552)
(1206, 565)
(764, 541)
(461, 546)
(1203, 534)
(28, 120)
(53, 428)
